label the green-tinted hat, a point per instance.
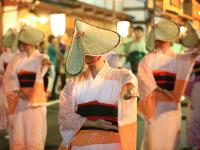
(30, 35)
(164, 30)
(192, 37)
(88, 40)
(10, 39)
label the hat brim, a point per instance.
(192, 37)
(30, 35)
(92, 41)
(166, 30)
(10, 40)
(75, 59)
(150, 43)
(96, 40)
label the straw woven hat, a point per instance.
(30, 35)
(164, 30)
(192, 37)
(88, 40)
(10, 39)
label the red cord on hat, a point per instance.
(79, 34)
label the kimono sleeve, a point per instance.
(10, 85)
(127, 114)
(146, 86)
(146, 81)
(184, 67)
(11, 82)
(70, 122)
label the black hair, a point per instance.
(41, 43)
(50, 38)
(139, 28)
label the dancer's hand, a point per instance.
(102, 124)
(165, 92)
(105, 125)
(128, 92)
(22, 95)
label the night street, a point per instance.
(54, 138)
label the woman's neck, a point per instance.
(95, 68)
(30, 51)
(163, 49)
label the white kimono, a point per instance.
(5, 58)
(169, 71)
(93, 95)
(193, 126)
(27, 116)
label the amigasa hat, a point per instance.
(164, 30)
(10, 39)
(30, 35)
(88, 40)
(192, 36)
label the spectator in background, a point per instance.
(138, 41)
(43, 47)
(134, 47)
(60, 72)
(52, 53)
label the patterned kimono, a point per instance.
(5, 58)
(193, 128)
(27, 115)
(162, 114)
(98, 98)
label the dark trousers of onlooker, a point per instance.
(63, 80)
(55, 83)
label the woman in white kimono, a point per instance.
(25, 93)
(162, 79)
(192, 40)
(8, 41)
(193, 122)
(98, 107)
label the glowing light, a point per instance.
(58, 23)
(123, 28)
(42, 20)
(183, 29)
(9, 18)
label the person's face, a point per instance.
(138, 34)
(131, 31)
(91, 60)
(162, 44)
(44, 46)
(55, 41)
(23, 47)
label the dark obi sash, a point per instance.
(95, 110)
(5, 64)
(197, 66)
(26, 79)
(165, 80)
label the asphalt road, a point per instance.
(54, 138)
